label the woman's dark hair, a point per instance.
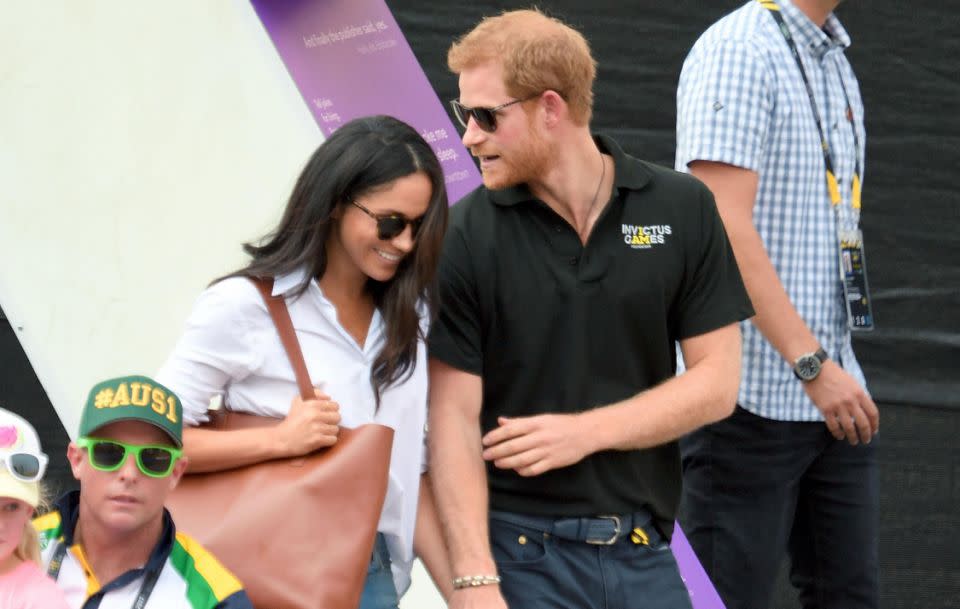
(362, 156)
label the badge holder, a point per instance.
(856, 291)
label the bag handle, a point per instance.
(277, 306)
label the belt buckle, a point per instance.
(613, 538)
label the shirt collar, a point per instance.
(285, 283)
(628, 174)
(807, 34)
(69, 507)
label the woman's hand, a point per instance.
(310, 425)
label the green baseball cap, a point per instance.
(133, 398)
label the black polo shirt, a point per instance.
(553, 326)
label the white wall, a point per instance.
(140, 145)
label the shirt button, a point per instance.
(574, 261)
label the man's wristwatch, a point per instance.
(807, 367)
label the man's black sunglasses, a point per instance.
(391, 225)
(486, 118)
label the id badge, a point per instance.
(856, 293)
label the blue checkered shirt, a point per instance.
(741, 100)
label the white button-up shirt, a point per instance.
(231, 347)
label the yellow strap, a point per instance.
(832, 186)
(834, 189)
(93, 584)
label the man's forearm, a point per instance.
(776, 317)
(460, 487)
(847, 410)
(706, 392)
(735, 190)
(428, 543)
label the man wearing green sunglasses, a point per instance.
(112, 543)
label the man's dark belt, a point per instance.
(599, 530)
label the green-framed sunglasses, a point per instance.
(109, 455)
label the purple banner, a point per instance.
(702, 593)
(348, 59)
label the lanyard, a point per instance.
(149, 580)
(832, 185)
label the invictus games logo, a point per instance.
(645, 237)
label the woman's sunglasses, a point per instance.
(391, 225)
(110, 455)
(26, 467)
(486, 118)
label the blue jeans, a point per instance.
(379, 591)
(755, 489)
(547, 563)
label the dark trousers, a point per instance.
(755, 489)
(546, 563)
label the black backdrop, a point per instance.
(907, 64)
(906, 57)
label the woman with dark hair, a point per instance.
(355, 256)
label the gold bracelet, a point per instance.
(472, 581)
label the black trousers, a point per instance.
(755, 488)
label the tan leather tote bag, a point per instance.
(298, 533)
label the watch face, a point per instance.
(808, 367)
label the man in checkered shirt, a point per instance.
(793, 470)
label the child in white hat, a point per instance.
(23, 585)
